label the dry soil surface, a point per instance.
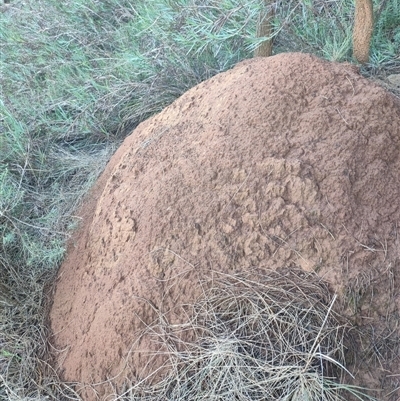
(287, 161)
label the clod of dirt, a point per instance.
(287, 161)
(394, 79)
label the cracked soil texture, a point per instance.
(287, 161)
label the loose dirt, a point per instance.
(287, 161)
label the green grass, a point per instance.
(76, 78)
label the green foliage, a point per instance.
(386, 38)
(316, 26)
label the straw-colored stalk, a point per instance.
(362, 31)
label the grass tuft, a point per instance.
(273, 336)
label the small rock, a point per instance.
(394, 79)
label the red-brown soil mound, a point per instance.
(279, 162)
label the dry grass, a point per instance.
(273, 336)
